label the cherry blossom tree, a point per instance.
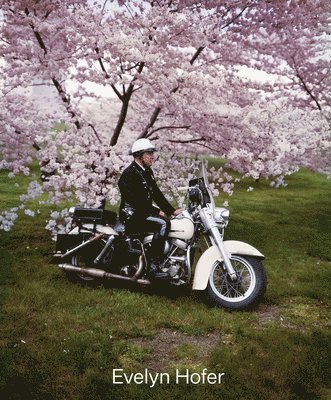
(173, 72)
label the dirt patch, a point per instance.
(294, 314)
(169, 347)
(269, 313)
(272, 314)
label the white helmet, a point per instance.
(142, 145)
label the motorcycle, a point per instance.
(229, 273)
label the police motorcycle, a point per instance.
(229, 273)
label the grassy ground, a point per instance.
(61, 341)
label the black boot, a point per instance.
(155, 271)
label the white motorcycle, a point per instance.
(230, 273)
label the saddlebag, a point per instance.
(65, 242)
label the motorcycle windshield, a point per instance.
(207, 186)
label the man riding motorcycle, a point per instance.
(138, 192)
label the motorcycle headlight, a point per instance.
(221, 215)
(194, 194)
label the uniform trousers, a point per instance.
(160, 228)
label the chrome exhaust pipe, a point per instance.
(99, 273)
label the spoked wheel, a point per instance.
(241, 293)
(82, 262)
(84, 259)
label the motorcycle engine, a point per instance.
(172, 247)
(126, 253)
(172, 267)
(147, 244)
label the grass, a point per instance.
(61, 341)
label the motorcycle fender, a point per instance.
(212, 254)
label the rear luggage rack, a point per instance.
(94, 216)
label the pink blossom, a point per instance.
(81, 80)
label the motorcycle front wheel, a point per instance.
(242, 293)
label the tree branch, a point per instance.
(118, 94)
(95, 132)
(104, 6)
(39, 39)
(125, 105)
(151, 122)
(236, 16)
(121, 119)
(196, 55)
(56, 83)
(64, 97)
(65, 100)
(157, 110)
(307, 90)
(125, 98)
(34, 144)
(216, 150)
(168, 127)
(37, 34)
(102, 64)
(202, 139)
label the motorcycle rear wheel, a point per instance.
(243, 293)
(83, 260)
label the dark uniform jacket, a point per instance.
(138, 191)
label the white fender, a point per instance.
(212, 254)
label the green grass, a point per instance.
(61, 341)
